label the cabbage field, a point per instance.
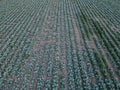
(59, 44)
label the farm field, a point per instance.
(59, 44)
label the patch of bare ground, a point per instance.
(78, 35)
(47, 41)
(79, 40)
(92, 80)
(92, 44)
(85, 64)
(47, 77)
(115, 28)
(61, 72)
